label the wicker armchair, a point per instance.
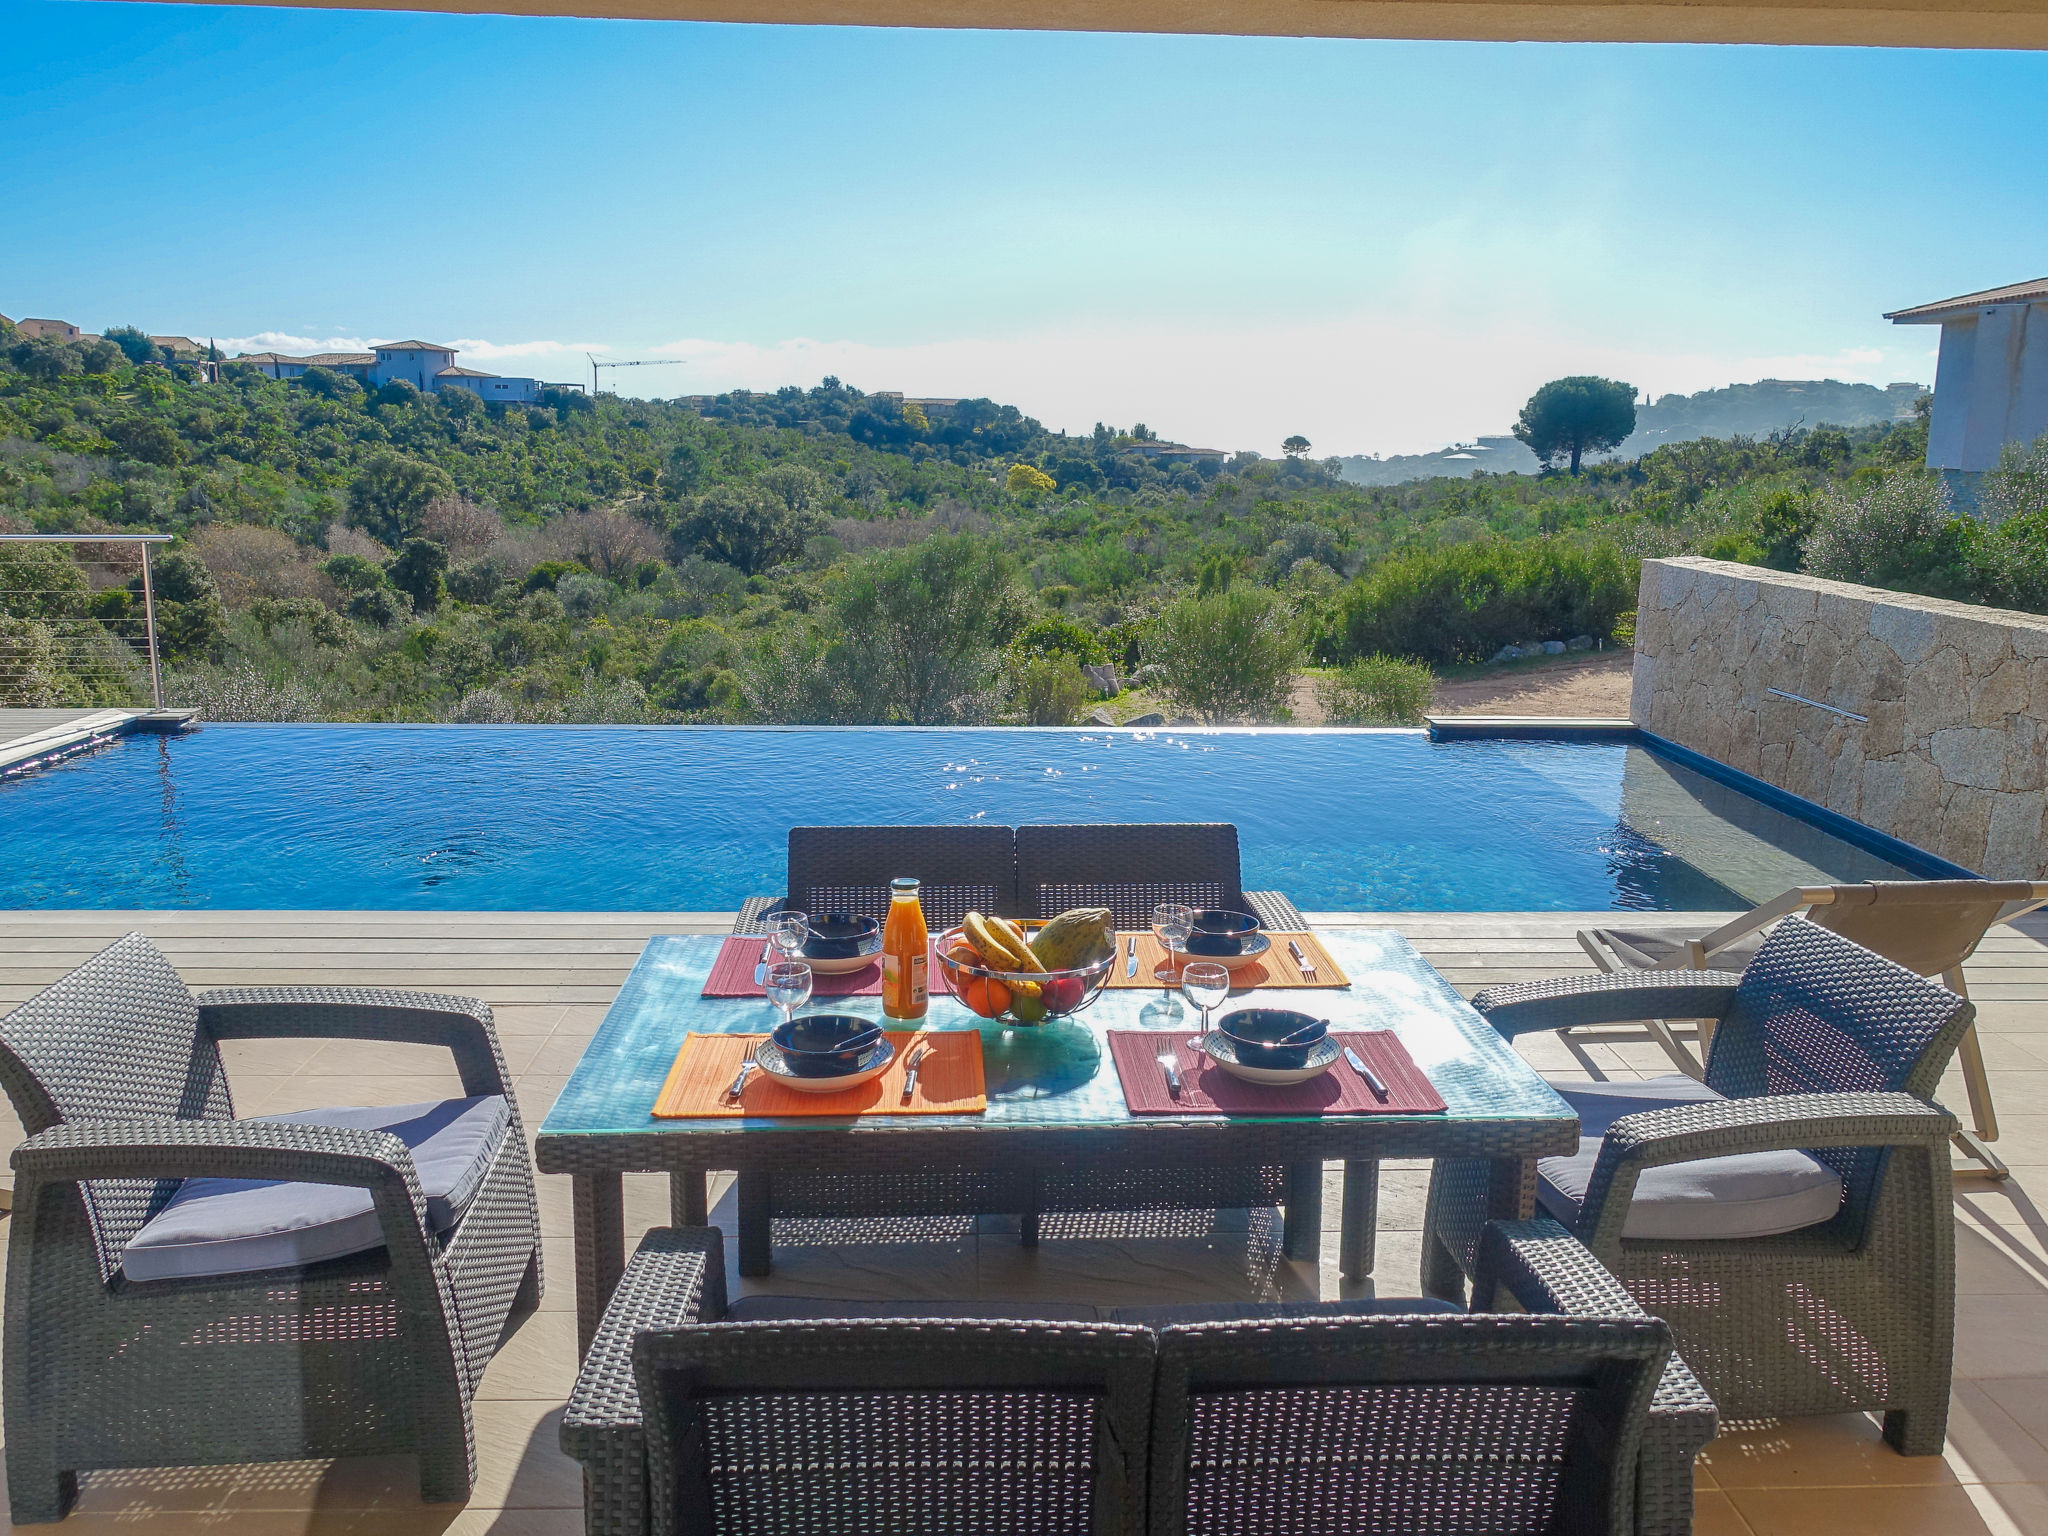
(116, 1075)
(1824, 1052)
(1032, 871)
(1078, 1421)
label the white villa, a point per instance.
(425, 365)
(1991, 383)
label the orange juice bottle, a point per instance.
(905, 944)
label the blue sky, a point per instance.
(1385, 246)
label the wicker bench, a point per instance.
(1161, 1419)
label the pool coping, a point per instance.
(1908, 856)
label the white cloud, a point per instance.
(495, 351)
(284, 341)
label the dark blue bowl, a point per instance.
(1253, 1030)
(826, 1044)
(841, 936)
(1216, 932)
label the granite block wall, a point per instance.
(1919, 717)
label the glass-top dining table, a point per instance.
(1054, 1102)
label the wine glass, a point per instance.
(1172, 922)
(790, 932)
(788, 986)
(1205, 984)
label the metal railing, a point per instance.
(81, 637)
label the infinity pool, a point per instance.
(513, 818)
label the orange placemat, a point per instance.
(1275, 968)
(948, 1083)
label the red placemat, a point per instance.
(1212, 1091)
(732, 974)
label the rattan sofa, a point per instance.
(1025, 872)
(1820, 1049)
(116, 1075)
(834, 1416)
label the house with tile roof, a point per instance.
(425, 365)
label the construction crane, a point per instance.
(652, 362)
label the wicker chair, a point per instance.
(1074, 1419)
(1032, 871)
(1823, 1051)
(116, 1075)
(848, 869)
(1132, 867)
(1929, 926)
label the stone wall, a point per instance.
(1950, 752)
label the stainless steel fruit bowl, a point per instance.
(1058, 994)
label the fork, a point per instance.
(1301, 960)
(739, 1081)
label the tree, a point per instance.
(1576, 416)
(1025, 478)
(926, 627)
(1295, 446)
(148, 438)
(189, 615)
(391, 493)
(1229, 656)
(742, 525)
(135, 344)
(419, 570)
(45, 360)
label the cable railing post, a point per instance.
(156, 679)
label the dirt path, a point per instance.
(1580, 686)
(1584, 686)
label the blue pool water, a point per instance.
(385, 817)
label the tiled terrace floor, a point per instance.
(549, 978)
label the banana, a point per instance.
(1020, 946)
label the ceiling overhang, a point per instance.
(1926, 24)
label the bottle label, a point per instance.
(905, 993)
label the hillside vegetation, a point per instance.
(828, 555)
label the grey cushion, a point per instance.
(779, 1309)
(1753, 1194)
(237, 1226)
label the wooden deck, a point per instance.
(549, 976)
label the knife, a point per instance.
(1131, 958)
(917, 1057)
(1379, 1089)
(761, 970)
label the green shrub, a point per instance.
(549, 573)
(1376, 690)
(1229, 656)
(1464, 602)
(1055, 636)
(1050, 690)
